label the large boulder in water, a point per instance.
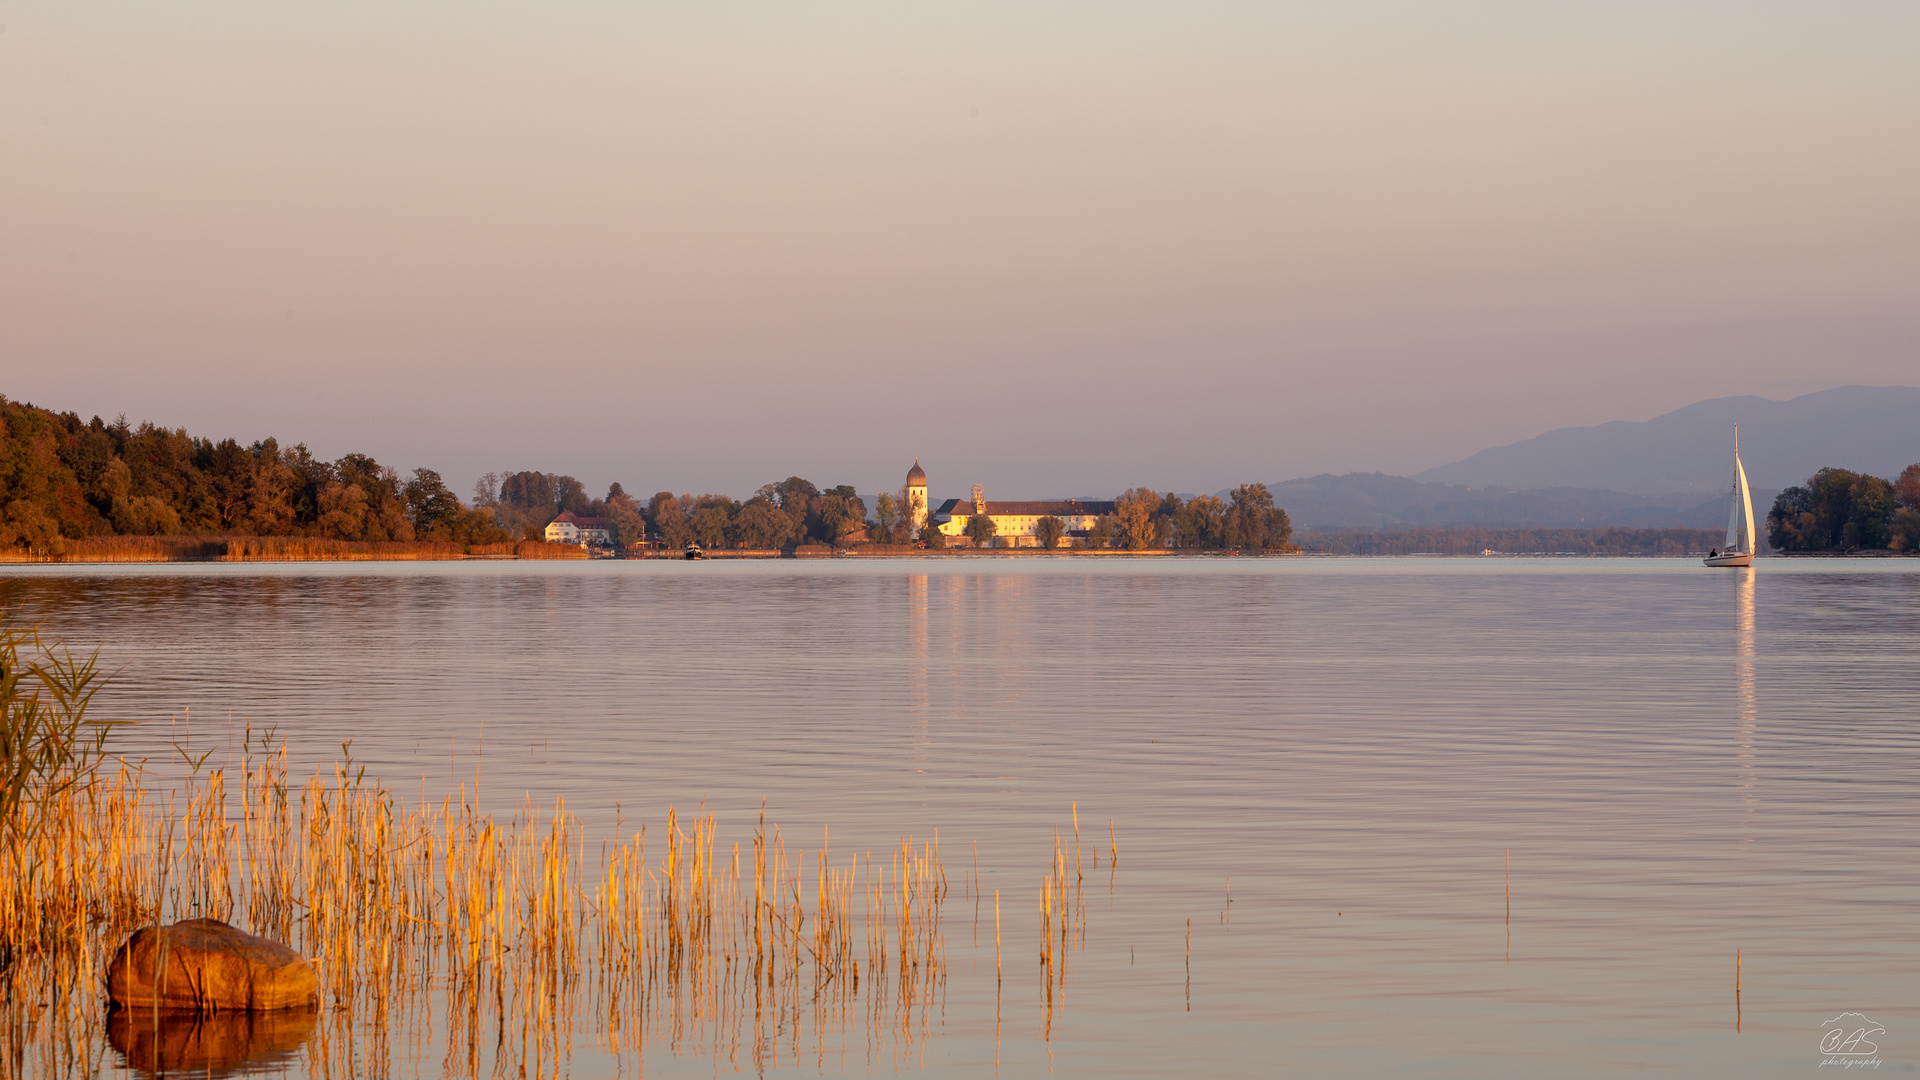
(204, 965)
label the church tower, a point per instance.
(917, 495)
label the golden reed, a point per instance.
(750, 956)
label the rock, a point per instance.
(209, 1044)
(210, 967)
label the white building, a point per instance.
(585, 531)
(1015, 523)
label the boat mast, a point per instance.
(1740, 514)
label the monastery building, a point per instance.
(1013, 521)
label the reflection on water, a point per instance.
(1743, 659)
(1356, 744)
(217, 1044)
(1748, 708)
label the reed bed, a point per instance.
(97, 549)
(317, 549)
(124, 549)
(444, 925)
(542, 549)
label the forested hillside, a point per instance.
(63, 478)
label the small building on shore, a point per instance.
(570, 528)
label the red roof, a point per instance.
(583, 522)
(1055, 507)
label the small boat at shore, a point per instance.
(694, 551)
(1740, 544)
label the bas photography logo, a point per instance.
(1847, 1042)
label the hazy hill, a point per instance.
(1872, 429)
(1376, 500)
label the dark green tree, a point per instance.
(1100, 533)
(761, 525)
(981, 529)
(432, 509)
(839, 512)
(1252, 521)
(1048, 530)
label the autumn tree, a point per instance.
(1904, 531)
(669, 520)
(626, 517)
(1133, 528)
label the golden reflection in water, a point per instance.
(917, 696)
(1745, 701)
(218, 1044)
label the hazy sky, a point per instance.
(1057, 248)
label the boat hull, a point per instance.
(1732, 558)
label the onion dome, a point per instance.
(916, 476)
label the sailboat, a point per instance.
(1739, 547)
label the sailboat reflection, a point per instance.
(1745, 700)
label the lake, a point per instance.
(1465, 817)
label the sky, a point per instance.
(1056, 248)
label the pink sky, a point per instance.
(1057, 248)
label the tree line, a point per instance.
(1143, 518)
(63, 479)
(779, 515)
(795, 511)
(1839, 510)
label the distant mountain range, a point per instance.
(1671, 471)
(1871, 429)
(1377, 501)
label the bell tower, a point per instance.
(916, 507)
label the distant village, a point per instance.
(1138, 520)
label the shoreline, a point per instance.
(214, 549)
(10, 559)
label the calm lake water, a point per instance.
(1682, 763)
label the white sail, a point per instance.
(1740, 510)
(1733, 510)
(1745, 501)
(1741, 546)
